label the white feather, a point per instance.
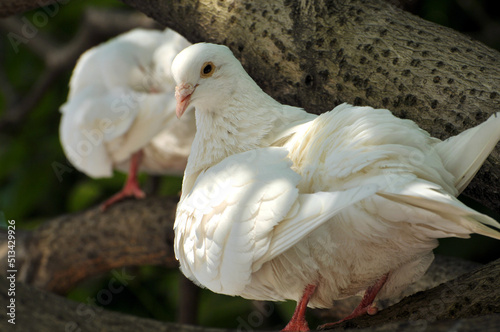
(121, 100)
(464, 154)
(224, 222)
(360, 193)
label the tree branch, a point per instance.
(317, 54)
(442, 270)
(71, 248)
(40, 311)
(473, 294)
(470, 302)
(11, 7)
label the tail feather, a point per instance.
(451, 216)
(464, 154)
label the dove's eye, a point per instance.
(207, 69)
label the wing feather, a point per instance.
(308, 213)
(245, 211)
(222, 224)
(434, 211)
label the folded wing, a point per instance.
(245, 211)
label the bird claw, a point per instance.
(126, 192)
(296, 326)
(371, 310)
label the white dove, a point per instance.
(120, 112)
(280, 204)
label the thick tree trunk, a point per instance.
(317, 54)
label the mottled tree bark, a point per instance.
(11, 7)
(40, 311)
(317, 54)
(71, 248)
(471, 302)
(470, 295)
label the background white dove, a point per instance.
(281, 204)
(120, 112)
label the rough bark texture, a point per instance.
(442, 269)
(472, 294)
(317, 54)
(40, 311)
(450, 306)
(66, 250)
(11, 7)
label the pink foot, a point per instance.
(296, 325)
(365, 306)
(372, 310)
(131, 187)
(298, 321)
(127, 191)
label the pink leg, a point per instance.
(131, 187)
(366, 304)
(298, 321)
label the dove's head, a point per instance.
(205, 74)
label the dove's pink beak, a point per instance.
(183, 94)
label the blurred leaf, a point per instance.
(83, 194)
(170, 185)
(217, 310)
